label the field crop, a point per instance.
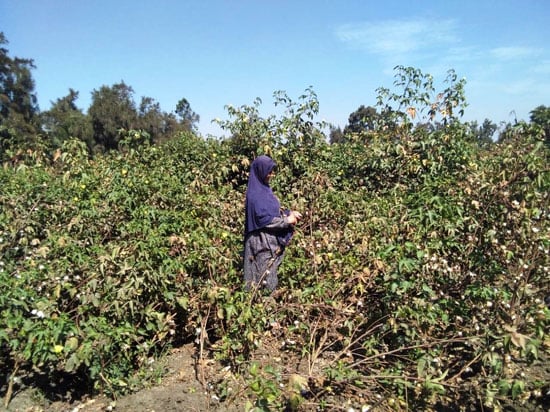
(416, 281)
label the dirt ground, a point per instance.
(179, 390)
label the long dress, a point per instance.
(263, 254)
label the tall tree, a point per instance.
(112, 110)
(187, 117)
(161, 125)
(18, 102)
(65, 120)
(336, 135)
(486, 132)
(151, 118)
(541, 117)
(483, 134)
(361, 120)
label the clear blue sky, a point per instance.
(220, 52)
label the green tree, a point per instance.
(186, 116)
(336, 135)
(484, 133)
(162, 126)
(541, 117)
(151, 118)
(363, 119)
(112, 110)
(18, 102)
(65, 120)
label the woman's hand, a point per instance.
(294, 217)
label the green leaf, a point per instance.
(518, 387)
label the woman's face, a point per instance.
(269, 176)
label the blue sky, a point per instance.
(220, 52)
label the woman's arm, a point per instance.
(284, 222)
(279, 224)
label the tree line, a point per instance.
(114, 112)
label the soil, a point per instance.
(187, 385)
(179, 390)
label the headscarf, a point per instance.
(261, 204)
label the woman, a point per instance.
(267, 229)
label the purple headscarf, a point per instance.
(261, 204)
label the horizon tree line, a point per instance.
(113, 112)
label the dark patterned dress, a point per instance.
(263, 253)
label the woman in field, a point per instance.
(268, 229)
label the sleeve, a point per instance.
(279, 224)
